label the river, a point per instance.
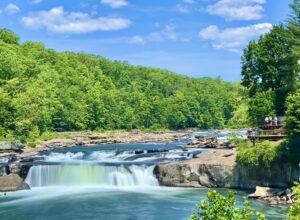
(113, 181)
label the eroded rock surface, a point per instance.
(12, 182)
(218, 168)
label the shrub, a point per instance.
(294, 211)
(262, 154)
(219, 207)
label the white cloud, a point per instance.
(189, 1)
(233, 39)
(12, 9)
(115, 3)
(238, 9)
(137, 40)
(36, 1)
(183, 9)
(168, 33)
(58, 21)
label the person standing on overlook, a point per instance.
(275, 120)
(270, 120)
(266, 120)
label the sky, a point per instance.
(197, 38)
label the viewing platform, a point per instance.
(270, 132)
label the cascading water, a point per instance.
(91, 175)
(106, 182)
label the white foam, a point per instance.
(90, 175)
(61, 157)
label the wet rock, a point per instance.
(31, 159)
(12, 182)
(20, 169)
(138, 151)
(4, 170)
(208, 142)
(272, 195)
(157, 151)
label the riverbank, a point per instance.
(71, 139)
(216, 167)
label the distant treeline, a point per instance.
(43, 90)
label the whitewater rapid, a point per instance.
(116, 166)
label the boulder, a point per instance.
(272, 195)
(12, 182)
(11, 146)
(262, 192)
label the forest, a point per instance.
(43, 91)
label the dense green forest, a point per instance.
(43, 90)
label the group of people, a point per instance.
(270, 121)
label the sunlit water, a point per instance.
(108, 182)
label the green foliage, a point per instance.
(294, 210)
(292, 126)
(240, 117)
(45, 91)
(294, 25)
(270, 64)
(8, 36)
(262, 154)
(219, 207)
(292, 150)
(260, 106)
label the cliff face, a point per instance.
(218, 168)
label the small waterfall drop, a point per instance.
(91, 175)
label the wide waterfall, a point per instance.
(91, 175)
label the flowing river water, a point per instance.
(113, 181)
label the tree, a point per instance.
(7, 113)
(270, 64)
(260, 106)
(219, 207)
(10, 62)
(292, 120)
(8, 37)
(294, 25)
(240, 117)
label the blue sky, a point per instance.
(197, 38)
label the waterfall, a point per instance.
(91, 175)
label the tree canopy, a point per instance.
(43, 90)
(270, 64)
(8, 36)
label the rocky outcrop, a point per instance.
(12, 182)
(134, 136)
(20, 169)
(13, 175)
(273, 196)
(208, 142)
(11, 146)
(218, 168)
